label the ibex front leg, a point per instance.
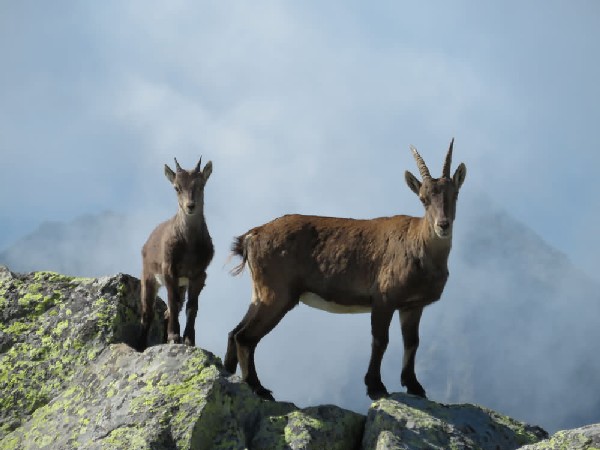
(380, 325)
(191, 309)
(409, 322)
(174, 306)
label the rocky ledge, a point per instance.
(70, 379)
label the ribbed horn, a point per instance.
(177, 166)
(420, 163)
(197, 169)
(448, 162)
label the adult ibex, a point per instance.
(346, 266)
(177, 254)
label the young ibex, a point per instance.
(349, 266)
(177, 254)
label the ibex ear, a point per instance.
(169, 174)
(459, 175)
(413, 183)
(207, 171)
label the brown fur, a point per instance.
(384, 264)
(179, 248)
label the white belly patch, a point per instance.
(314, 301)
(182, 281)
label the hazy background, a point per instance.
(310, 108)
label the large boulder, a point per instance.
(52, 326)
(409, 423)
(584, 438)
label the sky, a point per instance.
(303, 107)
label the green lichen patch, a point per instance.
(54, 277)
(105, 316)
(29, 299)
(125, 437)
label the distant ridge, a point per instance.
(62, 246)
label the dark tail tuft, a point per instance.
(238, 248)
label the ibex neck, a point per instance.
(190, 226)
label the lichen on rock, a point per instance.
(583, 438)
(51, 326)
(310, 428)
(174, 396)
(406, 422)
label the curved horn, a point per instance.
(177, 166)
(448, 162)
(420, 163)
(197, 169)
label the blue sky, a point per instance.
(302, 107)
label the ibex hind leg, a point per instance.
(258, 325)
(148, 292)
(191, 310)
(231, 358)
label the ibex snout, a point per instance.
(190, 207)
(443, 228)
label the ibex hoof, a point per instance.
(230, 363)
(418, 392)
(413, 387)
(189, 341)
(174, 339)
(140, 346)
(377, 393)
(264, 393)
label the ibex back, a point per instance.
(177, 254)
(346, 266)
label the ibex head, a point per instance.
(189, 185)
(438, 195)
